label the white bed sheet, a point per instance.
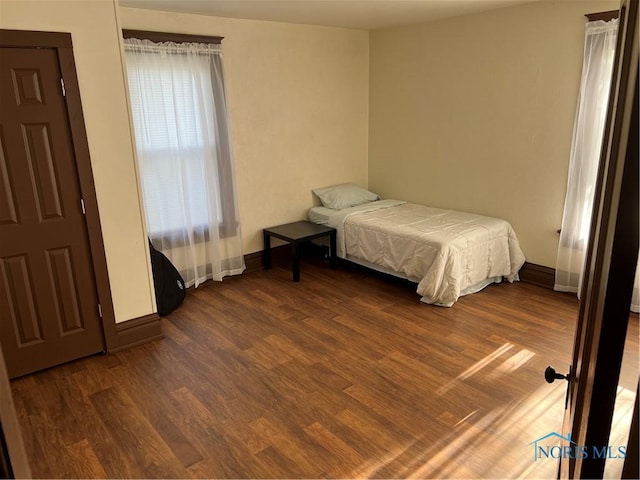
(320, 215)
(448, 253)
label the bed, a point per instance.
(447, 253)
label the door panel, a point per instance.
(48, 299)
(20, 297)
(7, 202)
(65, 290)
(42, 170)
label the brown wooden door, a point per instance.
(48, 301)
(609, 272)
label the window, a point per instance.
(184, 151)
(173, 136)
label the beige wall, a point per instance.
(298, 98)
(476, 113)
(92, 25)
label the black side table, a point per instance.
(296, 233)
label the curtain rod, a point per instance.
(605, 16)
(160, 37)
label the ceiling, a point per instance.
(360, 14)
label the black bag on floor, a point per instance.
(167, 282)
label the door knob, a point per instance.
(550, 375)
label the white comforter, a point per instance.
(448, 253)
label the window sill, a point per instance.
(180, 238)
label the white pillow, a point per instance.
(344, 196)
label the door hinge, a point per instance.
(84, 211)
(64, 91)
(100, 310)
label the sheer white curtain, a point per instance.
(184, 156)
(597, 67)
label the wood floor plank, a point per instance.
(347, 459)
(136, 436)
(113, 461)
(309, 460)
(211, 434)
(159, 414)
(84, 460)
(345, 374)
(38, 448)
(381, 433)
(279, 465)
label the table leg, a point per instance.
(266, 255)
(295, 254)
(332, 247)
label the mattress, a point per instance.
(447, 253)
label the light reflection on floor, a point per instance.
(510, 429)
(476, 367)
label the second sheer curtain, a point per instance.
(599, 55)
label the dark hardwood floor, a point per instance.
(344, 374)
